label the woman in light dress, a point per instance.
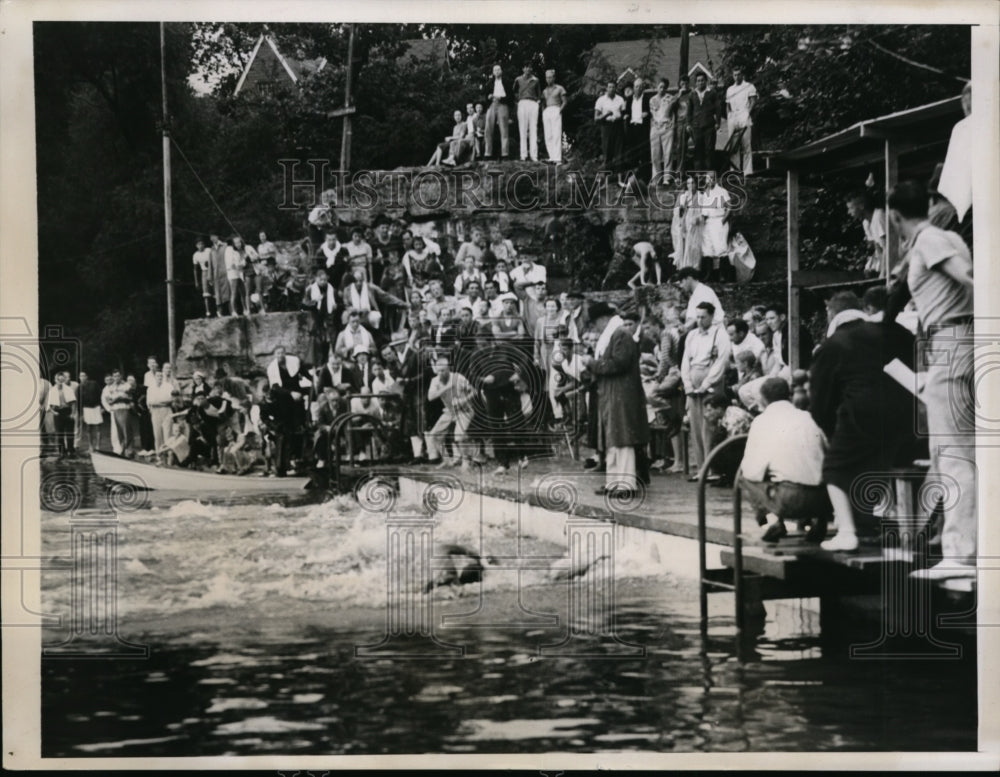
(685, 230)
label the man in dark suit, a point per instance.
(637, 129)
(336, 373)
(867, 417)
(499, 96)
(705, 122)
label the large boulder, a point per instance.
(245, 344)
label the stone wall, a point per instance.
(567, 239)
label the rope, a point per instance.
(203, 186)
(900, 57)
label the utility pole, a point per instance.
(345, 140)
(684, 53)
(168, 217)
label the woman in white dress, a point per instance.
(686, 228)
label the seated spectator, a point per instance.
(509, 325)
(744, 340)
(873, 303)
(421, 264)
(359, 248)
(771, 366)
(469, 274)
(439, 307)
(722, 421)
(368, 300)
(457, 148)
(747, 370)
(353, 335)
(782, 469)
(362, 366)
(501, 276)
(861, 206)
(329, 408)
(474, 246)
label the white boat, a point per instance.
(152, 477)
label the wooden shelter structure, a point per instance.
(915, 138)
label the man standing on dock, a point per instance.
(622, 422)
(940, 280)
(703, 368)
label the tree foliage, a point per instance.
(98, 122)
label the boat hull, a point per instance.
(151, 477)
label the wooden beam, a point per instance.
(793, 267)
(347, 110)
(891, 177)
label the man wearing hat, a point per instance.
(362, 366)
(404, 361)
(622, 422)
(573, 310)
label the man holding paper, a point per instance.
(940, 279)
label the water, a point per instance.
(252, 610)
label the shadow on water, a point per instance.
(273, 667)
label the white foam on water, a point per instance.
(235, 703)
(264, 725)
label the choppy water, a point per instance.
(252, 611)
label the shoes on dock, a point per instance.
(842, 541)
(945, 570)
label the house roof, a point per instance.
(430, 49)
(297, 69)
(863, 143)
(653, 58)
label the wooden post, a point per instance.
(891, 238)
(793, 266)
(167, 206)
(345, 138)
(683, 66)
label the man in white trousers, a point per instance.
(555, 102)
(529, 97)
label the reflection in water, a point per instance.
(252, 609)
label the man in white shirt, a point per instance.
(202, 261)
(555, 103)
(608, 111)
(662, 110)
(940, 278)
(703, 368)
(455, 393)
(526, 277)
(744, 340)
(741, 98)
(62, 405)
(698, 292)
(352, 336)
(782, 469)
(234, 273)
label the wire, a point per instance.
(203, 186)
(900, 57)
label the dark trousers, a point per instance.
(611, 145)
(789, 501)
(65, 426)
(704, 147)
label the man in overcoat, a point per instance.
(622, 421)
(867, 417)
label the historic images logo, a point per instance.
(485, 189)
